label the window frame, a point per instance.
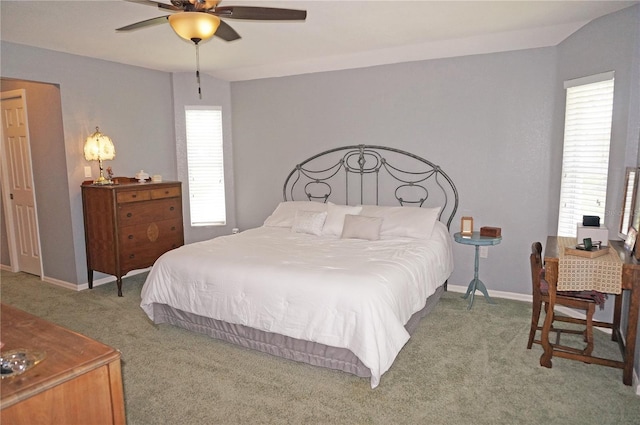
(581, 135)
(205, 211)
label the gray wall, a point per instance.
(486, 120)
(493, 122)
(132, 105)
(609, 43)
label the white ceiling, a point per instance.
(336, 34)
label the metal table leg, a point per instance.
(477, 283)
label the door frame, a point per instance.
(6, 196)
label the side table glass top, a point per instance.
(476, 239)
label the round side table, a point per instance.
(478, 241)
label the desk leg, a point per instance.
(617, 313)
(477, 283)
(632, 329)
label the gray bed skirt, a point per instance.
(279, 345)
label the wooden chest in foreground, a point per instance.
(79, 381)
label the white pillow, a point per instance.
(361, 227)
(406, 222)
(285, 212)
(335, 218)
(309, 222)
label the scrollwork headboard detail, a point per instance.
(378, 175)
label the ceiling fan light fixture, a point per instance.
(194, 26)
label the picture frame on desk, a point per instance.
(466, 226)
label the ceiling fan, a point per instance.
(199, 20)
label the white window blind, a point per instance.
(205, 165)
(585, 157)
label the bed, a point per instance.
(338, 276)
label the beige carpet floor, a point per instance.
(460, 367)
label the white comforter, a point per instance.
(347, 293)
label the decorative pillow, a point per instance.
(361, 227)
(285, 212)
(309, 222)
(335, 218)
(407, 222)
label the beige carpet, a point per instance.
(461, 367)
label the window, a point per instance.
(585, 157)
(205, 165)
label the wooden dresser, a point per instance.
(78, 382)
(129, 225)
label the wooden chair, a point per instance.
(578, 300)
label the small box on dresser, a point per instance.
(492, 232)
(129, 225)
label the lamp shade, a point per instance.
(194, 26)
(98, 147)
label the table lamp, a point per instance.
(99, 147)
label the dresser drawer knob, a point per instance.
(130, 236)
(129, 215)
(131, 256)
(134, 195)
(173, 227)
(172, 208)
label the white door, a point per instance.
(17, 186)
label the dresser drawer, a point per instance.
(133, 196)
(166, 192)
(139, 213)
(145, 255)
(132, 237)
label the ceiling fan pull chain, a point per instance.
(198, 69)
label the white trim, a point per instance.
(589, 79)
(109, 279)
(83, 286)
(526, 298)
(61, 283)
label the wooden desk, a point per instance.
(78, 382)
(630, 283)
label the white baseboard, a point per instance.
(523, 297)
(82, 286)
(108, 279)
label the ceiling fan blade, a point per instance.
(226, 33)
(146, 23)
(169, 7)
(155, 4)
(260, 13)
